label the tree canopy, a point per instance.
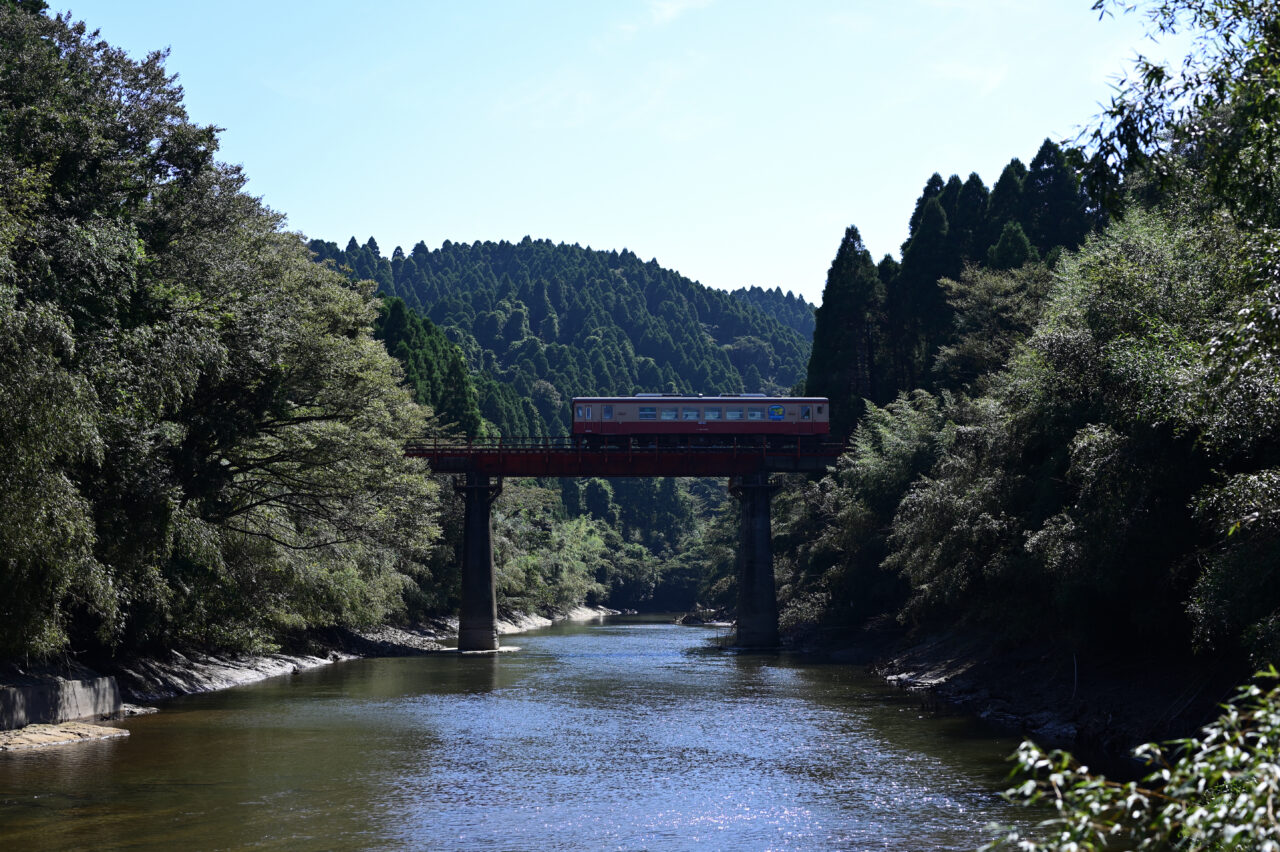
(539, 323)
(202, 439)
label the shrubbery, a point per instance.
(1215, 791)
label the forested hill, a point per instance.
(541, 322)
(791, 310)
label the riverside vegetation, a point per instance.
(1080, 449)
(202, 439)
(1062, 402)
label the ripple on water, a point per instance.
(612, 736)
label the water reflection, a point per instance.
(622, 735)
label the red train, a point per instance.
(676, 418)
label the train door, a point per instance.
(582, 413)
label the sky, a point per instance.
(732, 140)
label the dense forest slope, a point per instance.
(789, 309)
(201, 442)
(1065, 426)
(434, 368)
(540, 323)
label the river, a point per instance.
(625, 734)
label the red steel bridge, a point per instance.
(679, 456)
(479, 465)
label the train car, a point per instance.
(669, 418)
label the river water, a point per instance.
(624, 734)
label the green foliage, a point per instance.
(597, 500)
(918, 315)
(966, 296)
(46, 526)
(831, 535)
(932, 189)
(1053, 207)
(1106, 466)
(1012, 250)
(700, 572)
(202, 440)
(433, 367)
(1090, 454)
(1072, 481)
(545, 564)
(994, 312)
(1005, 204)
(849, 359)
(1103, 468)
(1219, 108)
(571, 321)
(954, 531)
(547, 561)
(877, 336)
(968, 220)
(791, 310)
(1215, 791)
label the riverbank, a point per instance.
(1099, 703)
(138, 680)
(151, 679)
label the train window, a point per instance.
(819, 409)
(776, 412)
(804, 412)
(755, 412)
(733, 414)
(578, 412)
(588, 412)
(668, 414)
(688, 414)
(648, 412)
(606, 412)
(713, 414)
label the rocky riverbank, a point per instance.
(1100, 703)
(143, 680)
(152, 679)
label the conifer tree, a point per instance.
(919, 315)
(1053, 205)
(932, 189)
(950, 196)
(847, 338)
(1005, 204)
(1012, 250)
(969, 222)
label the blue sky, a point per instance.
(732, 140)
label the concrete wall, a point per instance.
(58, 701)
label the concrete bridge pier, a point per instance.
(478, 617)
(757, 594)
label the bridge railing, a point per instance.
(436, 446)
(480, 445)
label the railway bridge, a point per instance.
(479, 467)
